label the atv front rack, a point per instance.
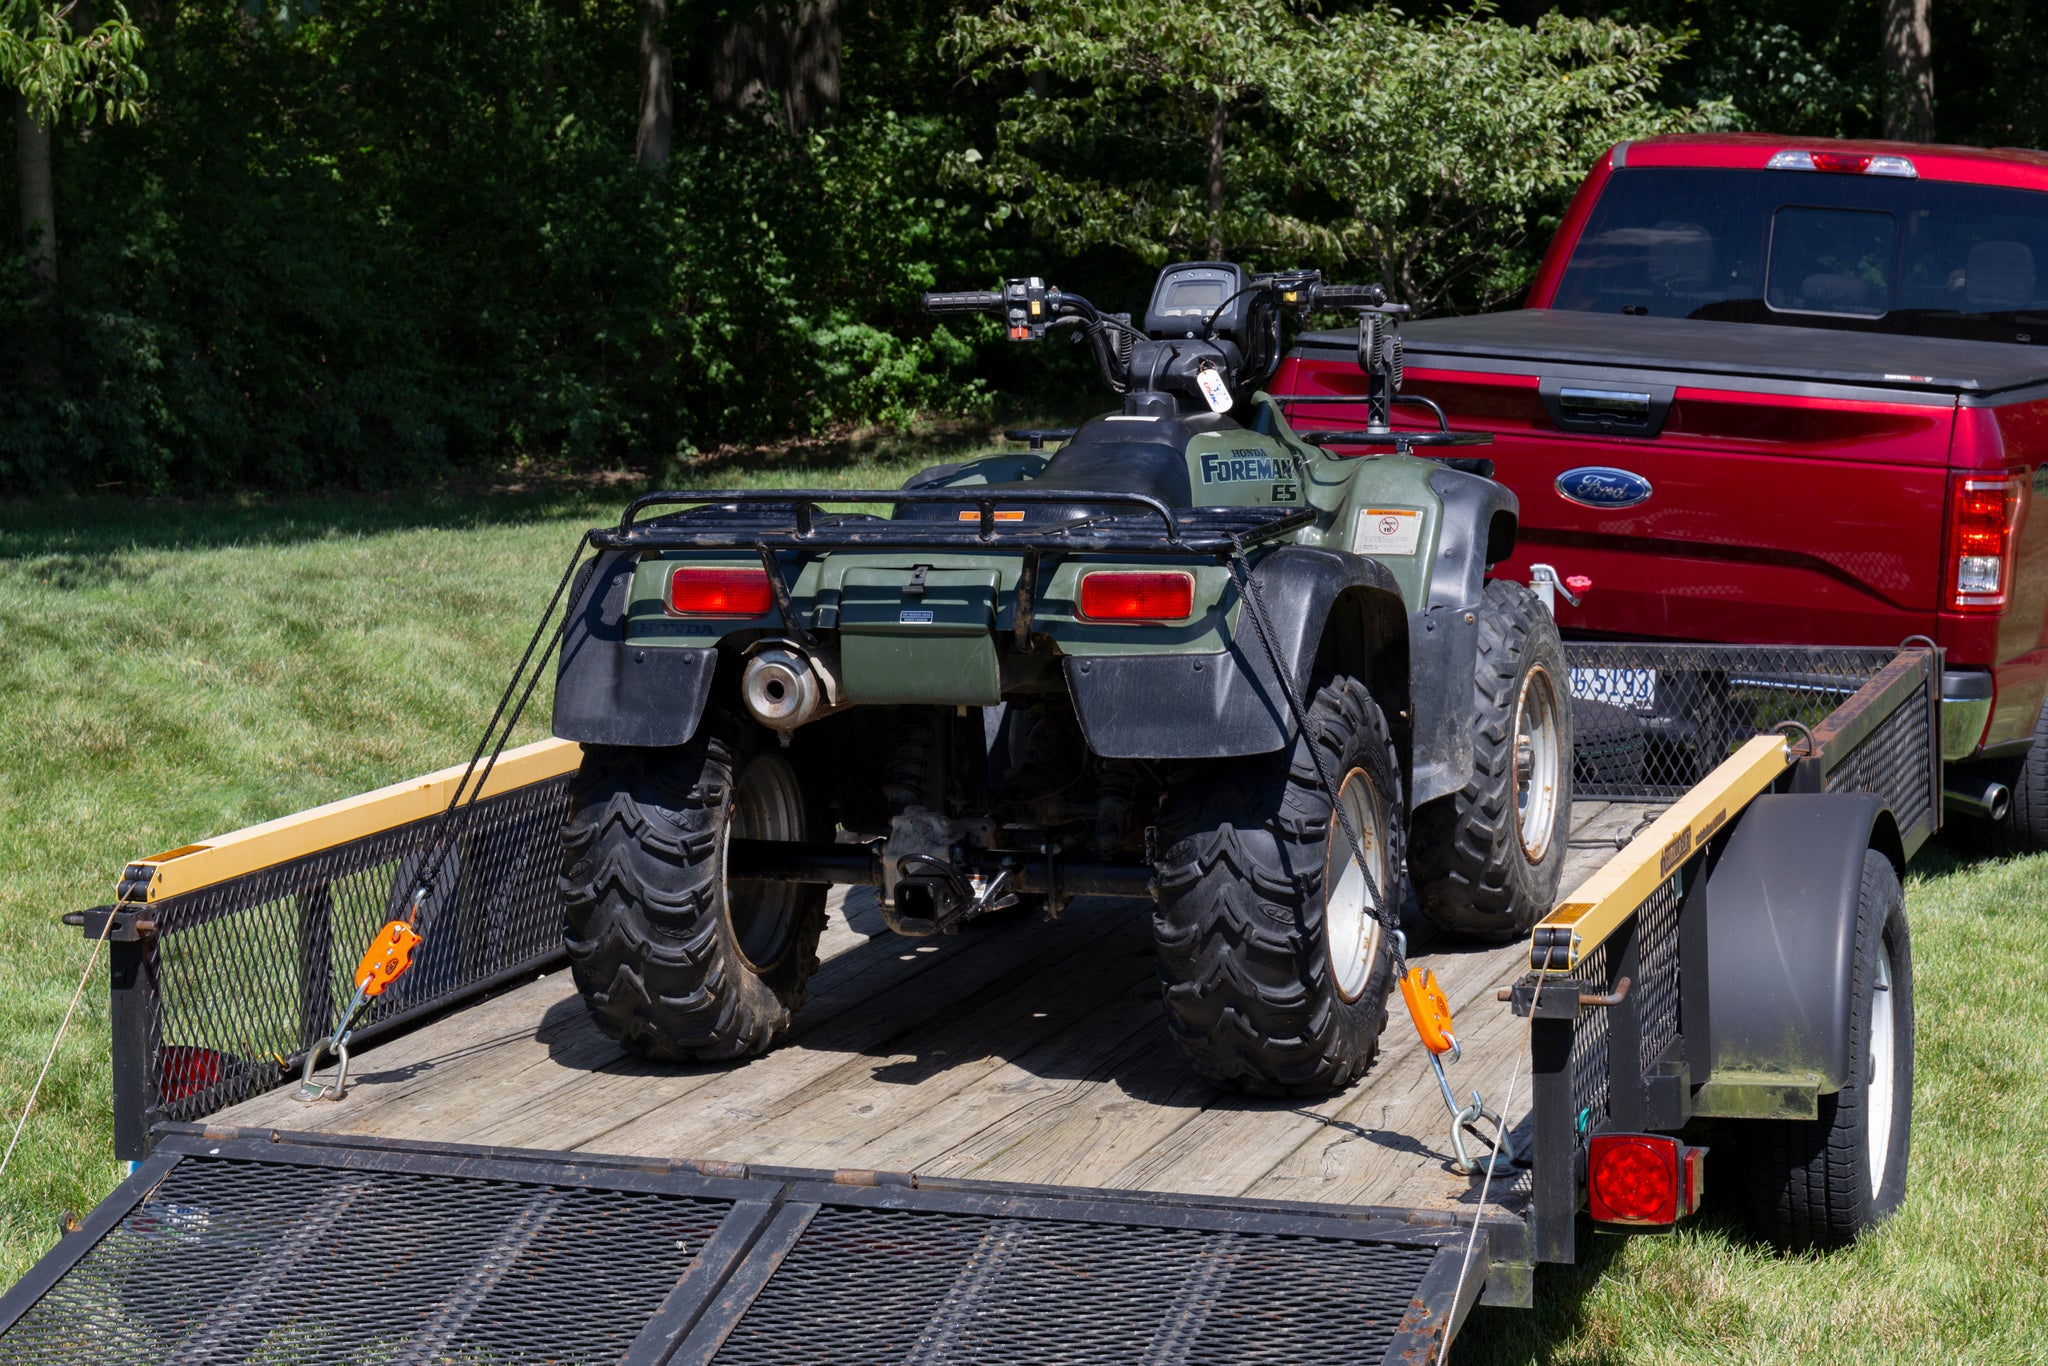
(791, 519)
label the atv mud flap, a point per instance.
(251, 1245)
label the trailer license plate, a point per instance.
(1634, 689)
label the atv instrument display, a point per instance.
(1188, 655)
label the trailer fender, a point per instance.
(1340, 608)
(1781, 938)
(609, 693)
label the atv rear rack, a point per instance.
(791, 519)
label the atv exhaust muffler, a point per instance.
(784, 687)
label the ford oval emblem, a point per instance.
(1599, 486)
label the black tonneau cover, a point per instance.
(1763, 351)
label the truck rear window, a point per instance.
(1808, 249)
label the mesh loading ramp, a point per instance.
(260, 1247)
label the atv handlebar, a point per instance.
(965, 301)
(1344, 296)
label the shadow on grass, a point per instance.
(71, 542)
(1497, 1337)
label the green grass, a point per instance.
(1959, 1275)
(169, 671)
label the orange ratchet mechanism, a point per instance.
(1431, 1011)
(383, 963)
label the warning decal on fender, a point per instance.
(1387, 531)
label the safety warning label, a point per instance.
(1387, 531)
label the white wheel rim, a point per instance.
(1539, 765)
(1878, 1095)
(767, 804)
(1351, 918)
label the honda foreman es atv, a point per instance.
(1191, 654)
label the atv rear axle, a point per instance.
(860, 865)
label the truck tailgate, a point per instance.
(1768, 483)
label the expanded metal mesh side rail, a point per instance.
(219, 992)
(1615, 1059)
(1662, 716)
(294, 1248)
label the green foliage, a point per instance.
(1425, 152)
(61, 71)
(386, 242)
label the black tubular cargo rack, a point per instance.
(793, 519)
(230, 1245)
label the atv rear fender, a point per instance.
(610, 693)
(1327, 611)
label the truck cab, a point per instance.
(1770, 390)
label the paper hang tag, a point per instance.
(1210, 381)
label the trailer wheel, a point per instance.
(1272, 959)
(674, 961)
(1822, 1182)
(1488, 858)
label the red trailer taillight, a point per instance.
(694, 592)
(1144, 595)
(1983, 519)
(1643, 1180)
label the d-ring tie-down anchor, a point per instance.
(383, 963)
(1499, 1162)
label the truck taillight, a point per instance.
(1147, 595)
(1984, 516)
(1643, 1180)
(719, 592)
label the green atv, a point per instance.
(1191, 655)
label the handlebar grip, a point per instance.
(1340, 295)
(965, 301)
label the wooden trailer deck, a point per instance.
(1030, 1052)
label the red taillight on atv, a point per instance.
(1149, 595)
(1642, 1180)
(1984, 514)
(719, 592)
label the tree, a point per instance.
(1909, 71)
(1425, 152)
(57, 60)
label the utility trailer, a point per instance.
(978, 1146)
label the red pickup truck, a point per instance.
(1771, 390)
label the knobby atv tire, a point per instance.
(1252, 997)
(651, 934)
(1808, 1182)
(1473, 872)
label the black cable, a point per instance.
(444, 829)
(1254, 607)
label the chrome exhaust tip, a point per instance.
(1970, 795)
(781, 688)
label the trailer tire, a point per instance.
(1821, 1182)
(1268, 987)
(1488, 858)
(673, 961)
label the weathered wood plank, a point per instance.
(1032, 1053)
